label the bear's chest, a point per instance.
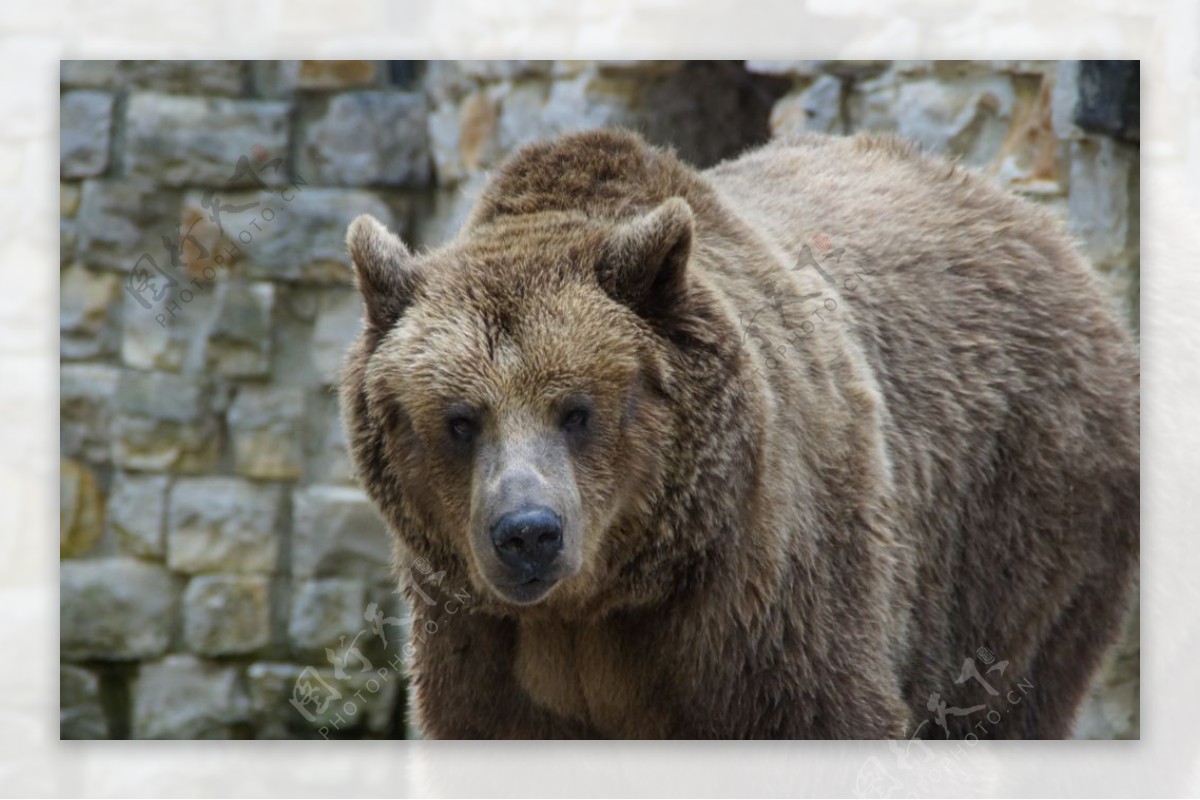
(591, 674)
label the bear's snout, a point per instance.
(528, 541)
(525, 518)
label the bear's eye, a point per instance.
(462, 428)
(575, 420)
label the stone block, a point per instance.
(80, 713)
(336, 74)
(81, 74)
(369, 139)
(336, 531)
(296, 234)
(183, 697)
(121, 220)
(137, 511)
(168, 335)
(86, 409)
(86, 318)
(327, 613)
(80, 509)
(328, 457)
(185, 77)
(198, 141)
(816, 108)
(223, 525)
(85, 133)
(115, 609)
(68, 199)
(325, 706)
(967, 115)
(338, 323)
(1102, 204)
(227, 614)
(164, 422)
(266, 425)
(239, 343)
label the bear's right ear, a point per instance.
(383, 271)
(646, 260)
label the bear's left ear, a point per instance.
(645, 260)
(383, 270)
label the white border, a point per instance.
(34, 36)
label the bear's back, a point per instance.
(971, 304)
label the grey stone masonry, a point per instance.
(198, 141)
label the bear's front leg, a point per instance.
(798, 670)
(786, 701)
(464, 684)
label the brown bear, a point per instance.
(833, 440)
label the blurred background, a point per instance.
(222, 575)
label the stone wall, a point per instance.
(217, 557)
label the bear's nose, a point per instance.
(528, 540)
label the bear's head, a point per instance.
(508, 400)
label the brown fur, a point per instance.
(788, 525)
